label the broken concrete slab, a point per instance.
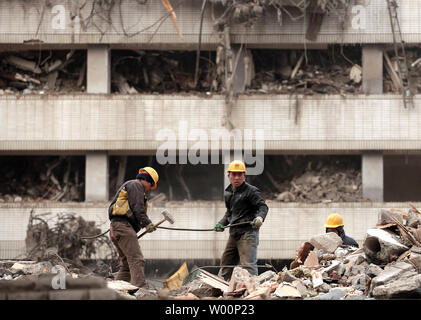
(391, 273)
(408, 286)
(381, 246)
(327, 242)
(373, 270)
(287, 291)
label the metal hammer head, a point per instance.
(168, 216)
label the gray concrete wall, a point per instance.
(285, 228)
(325, 123)
(366, 22)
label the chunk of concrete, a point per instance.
(287, 291)
(413, 220)
(381, 246)
(334, 294)
(265, 276)
(391, 273)
(408, 286)
(387, 216)
(373, 270)
(327, 242)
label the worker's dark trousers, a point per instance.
(243, 250)
(132, 263)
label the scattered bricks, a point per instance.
(17, 285)
(328, 242)
(67, 294)
(408, 286)
(381, 246)
(391, 273)
(28, 295)
(103, 294)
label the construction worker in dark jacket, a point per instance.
(127, 213)
(335, 223)
(244, 203)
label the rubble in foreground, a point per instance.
(387, 266)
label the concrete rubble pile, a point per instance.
(288, 72)
(42, 72)
(41, 179)
(162, 72)
(312, 179)
(388, 266)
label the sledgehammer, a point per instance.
(167, 217)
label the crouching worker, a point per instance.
(127, 213)
(244, 203)
(335, 223)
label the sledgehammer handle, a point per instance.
(145, 232)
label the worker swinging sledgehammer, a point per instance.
(127, 213)
(244, 203)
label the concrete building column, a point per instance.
(98, 79)
(372, 57)
(96, 176)
(372, 176)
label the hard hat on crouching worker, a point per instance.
(334, 220)
(150, 175)
(236, 166)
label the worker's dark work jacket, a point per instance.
(129, 204)
(243, 204)
(345, 239)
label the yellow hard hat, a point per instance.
(237, 166)
(334, 220)
(153, 174)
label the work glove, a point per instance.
(219, 227)
(150, 228)
(257, 222)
